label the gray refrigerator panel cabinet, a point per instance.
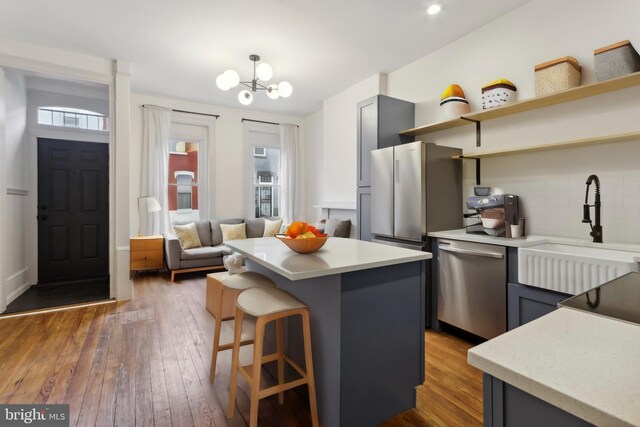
(380, 120)
(408, 192)
(367, 138)
(364, 213)
(382, 192)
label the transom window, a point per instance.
(73, 118)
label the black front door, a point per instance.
(73, 210)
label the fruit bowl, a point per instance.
(303, 246)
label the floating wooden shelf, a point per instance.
(532, 104)
(435, 127)
(624, 137)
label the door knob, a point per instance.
(43, 217)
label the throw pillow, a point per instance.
(187, 235)
(233, 231)
(271, 228)
(338, 228)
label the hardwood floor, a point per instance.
(146, 362)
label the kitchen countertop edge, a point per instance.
(492, 357)
(532, 240)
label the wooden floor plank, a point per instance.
(105, 415)
(91, 402)
(55, 385)
(143, 397)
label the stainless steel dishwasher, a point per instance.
(472, 287)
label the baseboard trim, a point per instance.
(54, 309)
(19, 281)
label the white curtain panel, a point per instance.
(155, 168)
(291, 174)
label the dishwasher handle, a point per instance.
(470, 252)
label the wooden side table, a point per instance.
(146, 253)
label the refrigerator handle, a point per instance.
(396, 171)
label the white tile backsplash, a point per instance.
(551, 199)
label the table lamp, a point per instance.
(146, 205)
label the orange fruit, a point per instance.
(295, 229)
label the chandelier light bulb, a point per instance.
(433, 9)
(272, 92)
(285, 89)
(222, 82)
(245, 97)
(264, 72)
(232, 78)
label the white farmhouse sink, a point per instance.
(572, 269)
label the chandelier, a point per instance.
(264, 72)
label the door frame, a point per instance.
(117, 78)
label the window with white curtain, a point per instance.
(262, 170)
(188, 186)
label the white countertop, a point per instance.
(530, 240)
(585, 364)
(338, 255)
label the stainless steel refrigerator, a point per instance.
(416, 188)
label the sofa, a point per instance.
(210, 256)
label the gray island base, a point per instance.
(367, 305)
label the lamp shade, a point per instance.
(264, 71)
(146, 205)
(232, 78)
(245, 97)
(285, 89)
(272, 92)
(222, 83)
(149, 204)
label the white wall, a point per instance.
(551, 184)
(228, 170)
(340, 139)
(15, 278)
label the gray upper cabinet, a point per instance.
(380, 120)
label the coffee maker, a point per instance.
(493, 210)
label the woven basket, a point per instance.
(559, 74)
(616, 60)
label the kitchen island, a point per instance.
(367, 304)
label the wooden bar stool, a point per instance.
(222, 291)
(267, 305)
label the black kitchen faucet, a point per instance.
(596, 230)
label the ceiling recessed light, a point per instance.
(433, 9)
